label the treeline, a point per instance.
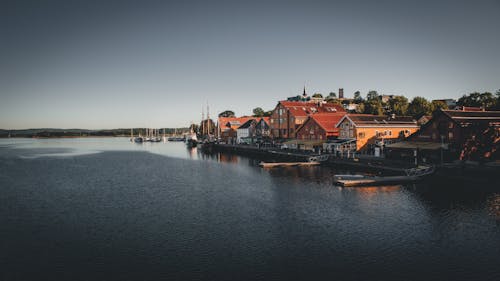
(374, 103)
(59, 133)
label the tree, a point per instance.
(372, 95)
(227, 113)
(317, 95)
(258, 112)
(497, 102)
(194, 128)
(332, 100)
(357, 97)
(373, 106)
(419, 106)
(360, 108)
(476, 99)
(268, 113)
(437, 104)
(398, 105)
(332, 95)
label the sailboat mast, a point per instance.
(208, 120)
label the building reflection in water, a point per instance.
(193, 152)
(369, 191)
(494, 206)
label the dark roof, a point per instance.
(380, 120)
(247, 124)
(465, 118)
(262, 124)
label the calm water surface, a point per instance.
(108, 209)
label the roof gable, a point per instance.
(368, 120)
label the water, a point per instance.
(108, 209)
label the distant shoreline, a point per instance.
(45, 133)
(60, 137)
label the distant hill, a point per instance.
(59, 133)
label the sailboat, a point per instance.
(191, 138)
(139, 138)
(176, 137)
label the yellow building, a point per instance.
(369, 131)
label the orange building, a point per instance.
(368, 131)
(288, 116)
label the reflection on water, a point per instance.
(33, 148)
(149, 212)
(494, 205)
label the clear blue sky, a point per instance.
(109, 64)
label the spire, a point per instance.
(304, 93)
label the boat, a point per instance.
(176, 139)
(192, 141)
(411, 175)
(287, 164)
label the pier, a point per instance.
(274, 154)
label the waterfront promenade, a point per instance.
(466, 170)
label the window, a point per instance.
(390, 133)
(377, 134)
(361, 135)
(450, 126)
(450, 135)
(320, 137)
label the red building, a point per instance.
(320, 127)
(288, 116)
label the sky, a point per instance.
(119, 64)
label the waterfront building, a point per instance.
(317, 130)
(288, 116)
(452, 135)
(252, 130)
(423, 119)
(365, 132)
(262, 129)
(320, 127)
(246, 131)
(227, 127)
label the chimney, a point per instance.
(341, 93)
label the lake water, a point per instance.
(109, 209)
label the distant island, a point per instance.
(67, 133)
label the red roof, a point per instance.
(327, 121)
(232, 122)
(303, 109)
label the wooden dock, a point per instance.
(376, 181)
(287, 164)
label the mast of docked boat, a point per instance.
(208, 122)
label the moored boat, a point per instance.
(412, 175)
